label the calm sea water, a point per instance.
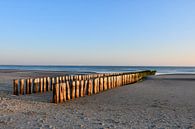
(100, 69)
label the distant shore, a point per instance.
(163, 101)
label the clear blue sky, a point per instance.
(97, 32)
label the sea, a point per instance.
(103, 69)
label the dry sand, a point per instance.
(166, 101)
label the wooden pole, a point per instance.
(52, 83)
(44, 84)
(98, 84)
(90, 91)
(101, 84)
(63, 79)
(62, 95)
(48, 84)
(95, 86)
(64, 91)
(56, 93)
(82, 88)
(41, 85)
(80, 77)
(27, 85)
(30, 86)
(68, 90)
(15, 87)
(22, 86)
(57, 80)
(114, 81)
(77, 89)
(105, 83)
(35, 86)
(67, 78)
(73, 89)
(85, 88)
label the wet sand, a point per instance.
(164, 101)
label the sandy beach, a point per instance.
(163, 101)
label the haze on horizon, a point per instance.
(101, 32)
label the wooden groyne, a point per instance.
(74, 86)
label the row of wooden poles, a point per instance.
(44, 84)
(74, 86)
(70, 90)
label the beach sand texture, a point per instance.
(164, 101)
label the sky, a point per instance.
(97, 32)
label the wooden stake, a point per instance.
(68, 90)
(73, 89)
(15, 87)
(64, 91)
(98, 84)
(61, 93)
(35, 86)
(105, 83)
(41, 85)
(90, 86)
(52, 83)
(80, 77)
(85, 88)
(22, 86)
(44, 84)
(77, 89)
(30, 86)
(27, 85)
(56, 93)
(48, 84)
(82, 88)
(101, 84)
(95, 86)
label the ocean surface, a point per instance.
(101, 69)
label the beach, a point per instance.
(163, 101)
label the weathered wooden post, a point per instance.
(101, 84)
(105, 83)
(48, 84)
(90, 86)
(95, 86)
(41, 85)
(108, 83)
(22, 86)
(121, 80)
(98, 84)
(77, 89)
(15, 87)
(115, 81)
(82, 87)
(63, 79)
(61, 97)
(30, 85)
(73, 89)
(80, 77)
(56, 93)
(85, 89)
(27, 85)
(44, 84)
(52, 83)
(35, 86)
(68, 90)
(60, 79)
(62, 92)
(57, 80)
